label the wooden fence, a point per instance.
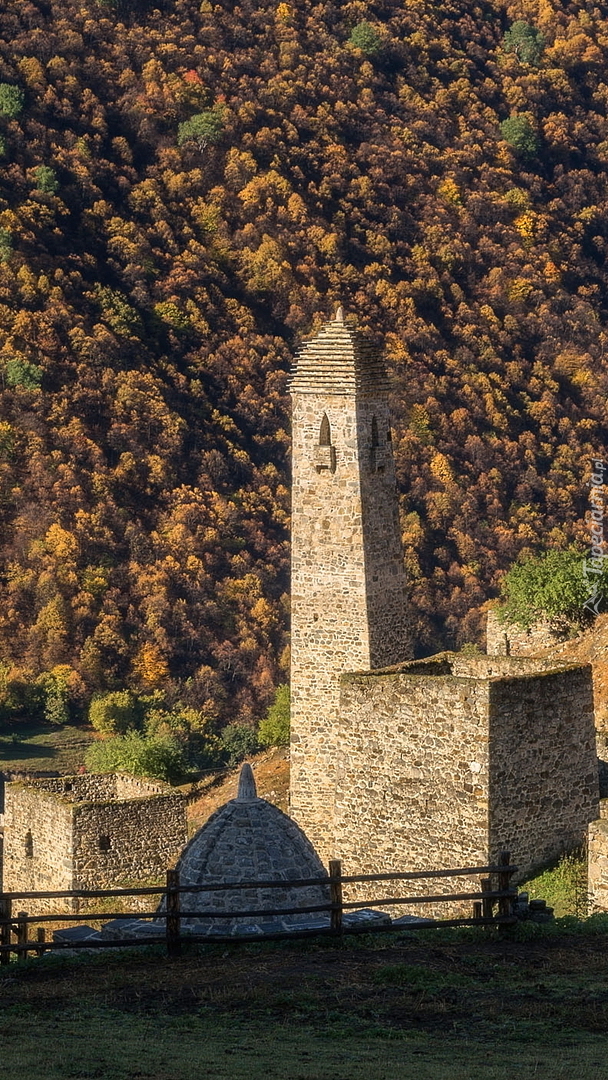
(15, 925)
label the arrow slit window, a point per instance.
(325, 454)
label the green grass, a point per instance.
(483, 1007)
(563, 885)
(37, 747)
(104, 1043)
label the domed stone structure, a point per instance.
(249, 839)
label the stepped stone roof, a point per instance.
(249, 839)
(338, 360)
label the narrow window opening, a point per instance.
(324, 454)
(29, 845)
(325, 432)
(104, 843)
(68, 786)
(375, 439)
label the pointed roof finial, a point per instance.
(340, 314)
(247, 789)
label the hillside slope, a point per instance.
(151, 294)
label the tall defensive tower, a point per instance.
(349, 606)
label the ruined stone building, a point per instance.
(88, 832)
(400, 764)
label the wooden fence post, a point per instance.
(5, 927)
(486, 902)
(505, 903)
(477, 909)
(335, 895)
(21, 935)
(40, 938)
(173, 920)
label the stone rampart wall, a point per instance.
(38, 839)
(598, 861)
(127, 840)
(81, 788)
(53, 842)
(495, 667)
(444, 771)
(412, 781)
(509, 639)
(133, 787)
(544, 786)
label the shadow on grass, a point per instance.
(23, 751)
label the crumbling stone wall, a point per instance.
(507, 639)
(78, 788)
(67, 833)
(598, 861)
(445, 770)
(90, 786)
(124, 840)
(38, 842)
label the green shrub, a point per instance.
(157, 757)
(563, 885)
(57, 706)
(117, 312)
(470, 648)
(6, 244)
(525, 41)
(203, 128)
(115, 713)
(365, 37)
(20, 372)
(274, 728)
(11, 100)
(518, 132)
(17, 697)
(550, 586)
(238, 742)
(202, 749)
(46, 179)
(3, 146)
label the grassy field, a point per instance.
(444, 1007)
(27, 747)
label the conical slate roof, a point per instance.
(338, 361)
(249, 839)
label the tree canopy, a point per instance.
(153, 287)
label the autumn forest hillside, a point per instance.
(185, 193)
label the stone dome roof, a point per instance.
(249, 839)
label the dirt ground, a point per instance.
(410, 983)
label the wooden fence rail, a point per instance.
(14, 927)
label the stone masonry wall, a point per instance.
(30, 810)
(598, 861)
(78, 788)
(412, 779)
(81, 835)
(132, 787)
(445, 770)
(145, 837)
(544, 774)
(507, 639)
(491, 667)
(348, 584)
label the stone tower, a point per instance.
(349, 605)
